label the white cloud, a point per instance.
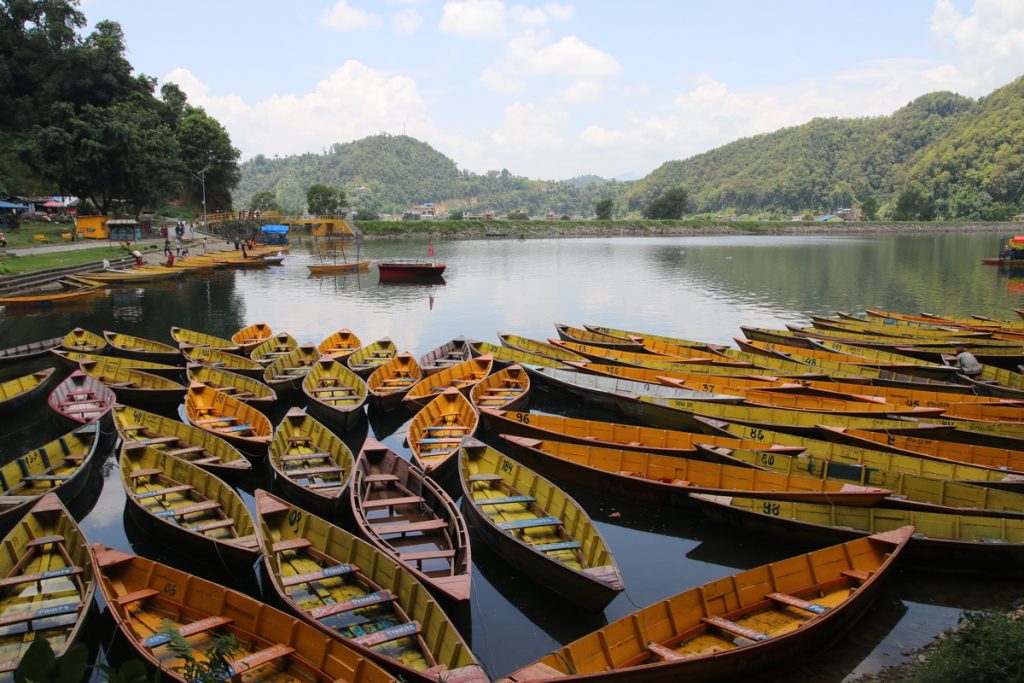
(529, 127)
(529, 16)
(987, 45)
(602, 138)
(406, 22)
(473, 18)
(344, 17)
(559, 12)
(530, 55)
(583, 91)
(500, 81)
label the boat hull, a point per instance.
(397, 272)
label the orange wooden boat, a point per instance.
(580, 335)
(248, 338)
(341, 344)
(334, 393)
(389, 383)
(436, 431)
(227, 417)
(507, 389)
(462, 376)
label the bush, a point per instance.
(986, 649)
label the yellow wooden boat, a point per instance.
(995, 381)
(205, 355)
(505, 355)
(285, 373)
(140, 348)
(118, 277)
(135, 386)
(47, 575)
(338, 268)
(652, 341)
(17, 392)
(83, 341)
(248, 338)
(587, 337)
(389, 383)
(815, 356)
(667, 480)
(334, 393)
(197, 513)
(536, 527)
(228, 418)
(194, 338)
(365, 360)
(981, 412)
(277, 345)
(507, 389)
(723, 630)
(252, 391)
(71, 359)
(722, 377)
(462, 376)
(864, 406)
(323, 574)
(311, 465)
(643, 359)
(73, 292)
(147, 600)
(176, 438)
(341, 344)
(391, 499)
(436, 431)
(540, 348)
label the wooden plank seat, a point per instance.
(325, 573)
(399, 380)
(156, 441)
(211, 420)
(163, 492)
(194, 628)
(258, 659)
(663, 653)
(178, 452)
(40, 576)
(732, 627)
(439, 440)
(236, 428)
(388, 634)
(485, 477)
(296, 457)
(325, 390)
(188, 509)
(390, 502)
(326, 484)
(440, 553)
(505, 501)
(144, 472)
(339, 399)
(454, 428)
(409, 527)
(298, 438)
(350, 605)
(792, 601)
(42, 613)
(554, 547)
(856, 574)
(47, 477)
(375, 478)
(205, 461)
(44, 540)
(136, 596)
(314, 471)
(210, 526)
(290, 544)
(529, 523)
(504, 390)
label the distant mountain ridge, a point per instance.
(965, 156)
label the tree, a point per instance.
(321, 199)
(870, 207)
(208, 155)
(264, 201)
(604, 209)
(670, 205)
(456, 215)
(367, 215)
(908, 204)
(518, 215)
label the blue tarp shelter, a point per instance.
(6, 209)
(275, 234)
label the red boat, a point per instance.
(393, 271)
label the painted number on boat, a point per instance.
(294, 517)
(756, 434)
(523, 417)
(770, 508)
(767, 459)
(170, 589)
(507, 466)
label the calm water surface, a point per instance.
(696, 288)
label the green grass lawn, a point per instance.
(23, 237)
(13, 264)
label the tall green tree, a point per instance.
(604, 209)
(264, 201)
(321, 199)
(671, 204)
(870, 207)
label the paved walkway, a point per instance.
(213, 242)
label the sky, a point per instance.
(553, 90)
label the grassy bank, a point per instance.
(24, 236)
(13, 264)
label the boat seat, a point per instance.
(44, 540)
(388, 634)
(440, 553)
(156, 441)
(137, 596)
(505, 501)
(735, 629)
(138, 474)
(409, 527)
(314, 471)
(374, 478)
(290, 544)
(435, 428)
(856, 574)
(319, 455)
(43, 613)
(438, 441)
(663, 653)
(189, 509)
(47, 477)
(210, 420)
(39, 576)
(299, 439)
(258, 659)
(210, 526)
(390, 502)
(325, 485)
(205, 461)
(236, 428)
(325, 573)
(194, 628)
(793, 601)
(554, 547)
(326, 390)
(163, 492)
(178, 452)
(353, 604)
(529, 523)
(485, 477)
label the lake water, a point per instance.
(694, 287)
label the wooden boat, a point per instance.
(996, 382)
(285, 373)
(462, 376)
(14, 354)
(81, 399)
(174, 499)
(587, 337)
(146, 599)
(73, 291)
(985, 412)
(446, 355)
(229, 418)
(141, 349)
(248, 338)
(365, 360)
(942, 541)
(17, 392)
(536, 527)
(205, 355)
(507, 389)
(331, 579)
(409, 517)
(334, 393)
(48, 581)
(277, 345)
(862, 406)
(648, 338)
(71, 359)
(118, 277)
(311, 465)
(250, 261)
(541, 348)
(194, 338)
(176, 438)
(745, 377)
(135, 386)
(61, 466)
(505, 355)
(252, 391)
(338, 268)
(605, 392)
(871, 459)
(645, 359)
(436, 431)
(389, 383)
(341, 344)
(722, 630)
(396, 271)
(667, 480)
(83, 341)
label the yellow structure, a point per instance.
(92, 227)
(321, 226)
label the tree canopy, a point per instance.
(671, 204)
(604, 209)
(323, 199)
